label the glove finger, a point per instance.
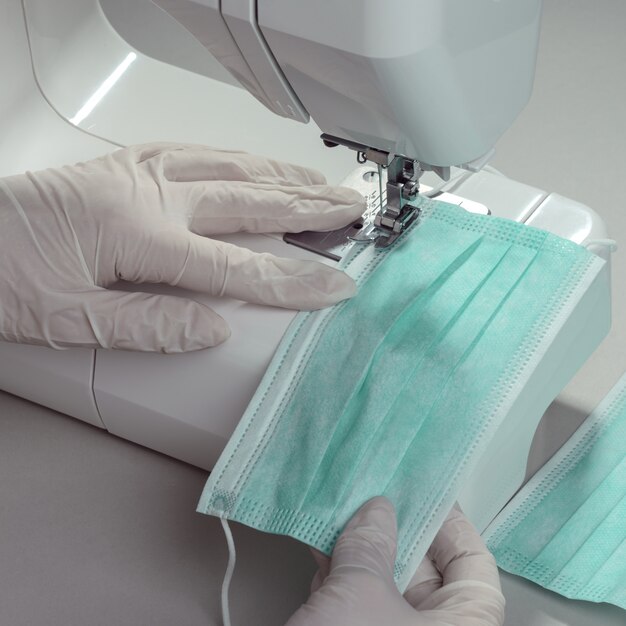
(262, 208)
(323, 563)
(201, 164)
(146, 151)
(425, 582)
(463, 604)
(470, 594)
(460, 553)
(134, 321)
(223, 269)
(180, 258)
(369, 540)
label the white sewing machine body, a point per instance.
(187, 406)
(438, 81)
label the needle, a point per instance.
(380, 187)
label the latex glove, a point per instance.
(140, 214)
(456, 584)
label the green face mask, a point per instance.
(397, 391)
(566, 529)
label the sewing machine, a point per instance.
(420, 106)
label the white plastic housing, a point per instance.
(435, 80)
(229, 31)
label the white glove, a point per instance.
(456, 584)
(140, 214)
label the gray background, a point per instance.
(95, 530)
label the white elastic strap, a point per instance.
(230, 568)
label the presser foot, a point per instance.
(387, 234)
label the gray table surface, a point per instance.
(95, 530)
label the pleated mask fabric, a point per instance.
(566, 528)
(397, 391)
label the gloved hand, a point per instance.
(141, 214)
(456, 584)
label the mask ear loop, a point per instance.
(230, 568)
